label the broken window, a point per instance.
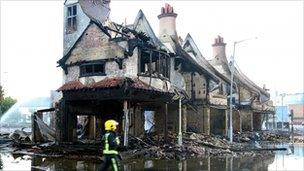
(71, 24)
(154, 63)
(92, 69)
(149, 121)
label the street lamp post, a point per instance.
(231, 86)
(180, 137)
(282, 110)
(230, 100)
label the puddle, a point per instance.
(292, 159)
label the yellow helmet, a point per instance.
(110, 125)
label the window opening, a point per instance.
(149, 121)
(153, 62)
(92, 69)
(71, 19)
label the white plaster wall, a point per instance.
(130, 66)
(73, 74)
(112, 69)
(129, 69)
(187, 78)
(245, 94)
(176, 78)
(200, 86)
(156, 82)
(217, 99)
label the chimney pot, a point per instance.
(219, 48)
(167, 22)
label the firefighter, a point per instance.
(110, 143)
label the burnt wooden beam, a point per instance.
(46, 110)
(150, 62)
(117, 94)
(192, 86)
(166, 123)
(36, 135)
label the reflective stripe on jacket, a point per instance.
(107, 149)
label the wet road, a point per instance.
(292, 159)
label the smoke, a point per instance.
(19, 115)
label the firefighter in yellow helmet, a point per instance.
(110, 143)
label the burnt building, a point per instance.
(124, 72)
(252, 104)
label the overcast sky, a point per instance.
(32, 36)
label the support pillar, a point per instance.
(99, 128)
(257, 121)
(36, 135)
(61, 122)
(184, 119)
(209, 164)
(266, 123)
(72, 127)
(206, 120)
(126, 123)
(226, 122)
(251, 121)
(92, 127)
(166, 123)
(240, 121)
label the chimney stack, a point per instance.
(167, 23)
(219, 48)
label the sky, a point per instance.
(32, 39)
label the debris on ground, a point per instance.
(154, 146)
(20, 136)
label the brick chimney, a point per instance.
(219, 51)
(167, 23)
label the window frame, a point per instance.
(154, 62)
(83, 73)
(72, 16)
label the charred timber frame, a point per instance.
(162, 61)
(117, 94)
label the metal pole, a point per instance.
(292, 129)
(230, 106)
(180, 140)
(282, 96)
(231, 85)
(230, 100)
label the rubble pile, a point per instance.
(20, 136)
(153, 146)
(266, 136)
(194, 145)
(275, 137)
(4, 140)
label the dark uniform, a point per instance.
(110, 154)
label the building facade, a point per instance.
(123, 72)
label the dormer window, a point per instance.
(154, 63)
(71, 25)
(92, 69)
